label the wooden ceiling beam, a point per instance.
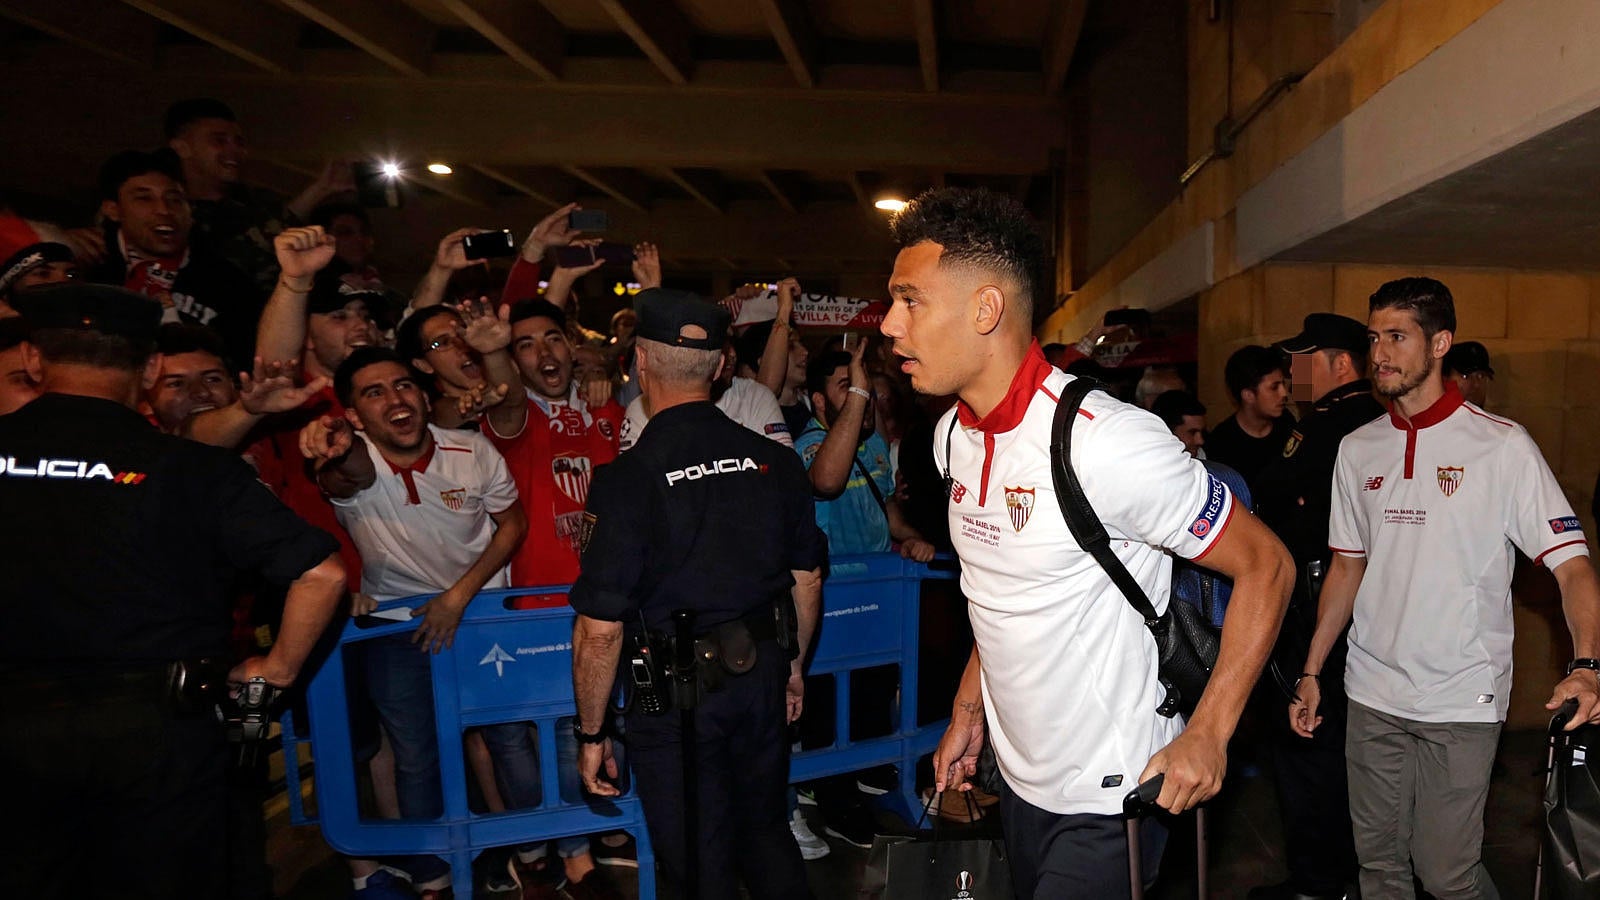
(523, 29)
(390, 32)
(604, 186)
(259, 35)
(791, 26)
(1061, 41)
(660, 29)
(520, 185)
(765, 179)
(699, 188)
(926, 17)
(114, 32)
(536, 124)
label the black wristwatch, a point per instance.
(584, 738)
(1585, 662)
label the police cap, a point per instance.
(1328, 331)
(1467, 357)
(664, 314)
(80, 306)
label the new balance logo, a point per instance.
(1374, 483)
(66, 468)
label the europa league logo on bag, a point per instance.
(964, 884)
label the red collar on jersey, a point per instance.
(405, 472)
(1433, 415)
(1008, 414)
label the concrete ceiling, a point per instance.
(745, 136)
(1533, 206)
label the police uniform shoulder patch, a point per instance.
(586, 530)
(1292, 445)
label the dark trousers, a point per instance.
(742, 750)
(1314, 801)
(1056, 856)
(103, 768)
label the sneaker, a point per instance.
(878, 780)
(384, 885)
(426, 873)
(811, 846)
(541, 879)
(853, 825)
(806, 795)
(625, 854)
(502, 881)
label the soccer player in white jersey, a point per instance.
(1063, 676)
(1428, 503)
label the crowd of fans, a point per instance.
(351, 399)
(489, 411)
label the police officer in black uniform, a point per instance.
(119, 546)
(1294, 496)
(702, 516)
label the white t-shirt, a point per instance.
(746, 401)
(1435, 506)
(420, 529)
(1069, 669)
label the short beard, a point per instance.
(1407, 385)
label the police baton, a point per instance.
(683, 671)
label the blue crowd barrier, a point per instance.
(505, 666)
(516, 665)
(870, 609)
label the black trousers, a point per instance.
(742, 754)
(1314, 801)
(1059, 857)
(102, 768)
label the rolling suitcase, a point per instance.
(1139, 803)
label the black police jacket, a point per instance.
(120, 544)
(700, 514)
(1294, 492)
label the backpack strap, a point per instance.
(1086, 527)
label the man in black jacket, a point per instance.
(1293, 495)
(148, 251)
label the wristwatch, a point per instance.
(584, 738)
(1585, 662)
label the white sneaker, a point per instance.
(811, 846)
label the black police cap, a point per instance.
(1468, 357)
(664, 314)
(80, 306)
(1327, 331)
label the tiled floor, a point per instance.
(1244, 847)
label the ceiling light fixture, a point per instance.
(391, 170)
(440, 169)
(891, 204)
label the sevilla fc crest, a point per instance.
(455, 499)
(1450, 479)
(572, 474)
(1019, 502)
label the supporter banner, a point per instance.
(811, 311)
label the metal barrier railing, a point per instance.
(516, 665)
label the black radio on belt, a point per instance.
(649, 680)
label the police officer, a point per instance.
(1293, 494)
(702, 515)
(120, 545)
